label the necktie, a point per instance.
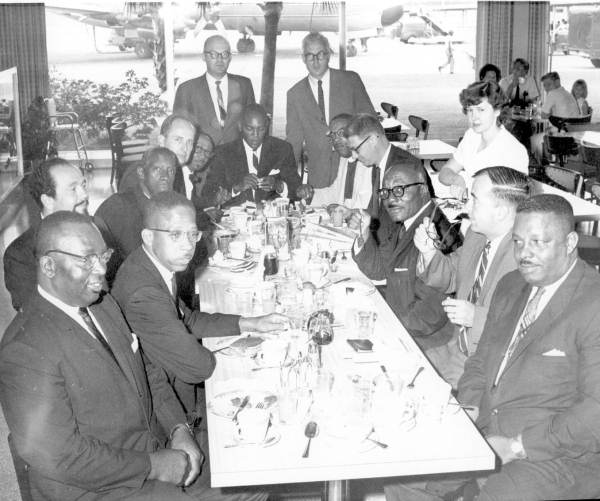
(375, 177)
(517, 92)
(529, 317)
(255, 161)
(221, 104)
(321, 99)
(350, 173)
(83, 313)
(463, 341)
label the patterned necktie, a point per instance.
(222, 112)
(350, 174)
(84, 314)
(321, 99)
(463, 341)
(255, 161)
(376, 179)
(529, 317)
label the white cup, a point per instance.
(237, 249)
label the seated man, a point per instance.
(54, 185)
(534, 381)
(472, 271)
(254, 167)
(198, 168)
(88, 416)
(407, 201)
(144, 290)
(119, 218)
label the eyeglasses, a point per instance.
(319, 56)
(398, 190)
(336, 133)
(355, 150)
(178, 235)
(211, 54)
(88, 261)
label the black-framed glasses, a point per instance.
(88, 261)
(178, 235)
(214, 55)
(398, 190)
(355, 150)
(319, 56)
(335, 133)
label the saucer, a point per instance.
(271, 438)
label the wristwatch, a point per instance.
(516, 446)
(181, 425)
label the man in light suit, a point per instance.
(214, 101)
(88, 416)
(314, 101)
(473, 270)
(534, 382)
(169, 331)
(255, 167)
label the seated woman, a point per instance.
(490, 73)
(486, 143)
(580, 93)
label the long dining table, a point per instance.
(438, 443)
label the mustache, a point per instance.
(526, 262)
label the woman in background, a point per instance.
(580, 93)
(490, 73)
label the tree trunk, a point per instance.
(272, 13)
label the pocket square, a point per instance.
(135, 344)
(274, 172)
(396, 270)
(554, 353)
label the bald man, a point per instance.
(215, 100)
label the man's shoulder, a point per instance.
(191, 83)
(229, 150)
(135, 272)
(277, 143)
(239, 78)
(297, 87)
(23, 243)
(117, 201)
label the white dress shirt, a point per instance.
(189, 186)
(314, 86)
(382, 164)
(212, 87)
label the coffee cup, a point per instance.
(237, 249)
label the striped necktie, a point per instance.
(529, 316)
(221, 104)
(463, 340)
(255, 161)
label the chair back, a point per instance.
(561, 146)
(562, 123)
(567, 179)
(420, 125)
(390, 109)
(21, 470)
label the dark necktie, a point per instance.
(83, 313)
(222, 112)
(350, 174)
(517, 92)
(463, 340)
(255, 161)
(321, 99)
(174, 294)
(376, 179)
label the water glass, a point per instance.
(365, 323)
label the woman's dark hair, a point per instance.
(490, 67)
(476, 92)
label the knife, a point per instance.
(242, 405)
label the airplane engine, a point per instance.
(391, 15)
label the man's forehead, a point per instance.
(204, 142)
(396, 177)
(160, 162)
(218, 44)
(255, 119)
(66, 174)
(176, 216)
(78, 236)
(315, 46)
(338, 124)
(181, 128)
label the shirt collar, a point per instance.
(384, 160)
(212, 80)
(165, 273)
(249, 150)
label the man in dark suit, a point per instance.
(255, 167)
(214, 101)
(168, 329)
(54, 185)
(314, 101)
(534, 381)
(119, 218)
(407, 201)
(89, 417)
(472, 272)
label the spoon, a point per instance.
(412, 383)
(376, 442)
(310, 432)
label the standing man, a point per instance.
(54, 185)
(519, 87)
(214, 101)
(472, 271)
(313, 101)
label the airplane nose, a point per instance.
(391, 15)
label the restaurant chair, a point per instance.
(124, 152)
(561, 147)
(21, 470)
(566, 179)
(420, 125)
(590, 156)
(562, 123)
(390, 109)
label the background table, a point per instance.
(430, 149)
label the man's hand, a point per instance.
(305, 192)
(424, 242)
(269, 183)
(183, 440)
(250, 182)
(459, 311)
(502, 447)
(265, 323)
(169, 465)
(458, 188)
(360, 220)
(222, 196)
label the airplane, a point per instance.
(134, 29)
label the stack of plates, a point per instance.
(234, 265)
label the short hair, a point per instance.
(51, 227)
(347, 117)
(41, 181)
(255, 108)
(316, 37)
(490, 67)
(477, 91)
(551, 75)
(168, 122)
(509, 185)
(522, 62)
(582, 83)
(162, 203)
(363, 124)
(212, 38)
(206, 136)
(151, 155)
(546, 203)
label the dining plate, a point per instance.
(271, 438)
(226, 404)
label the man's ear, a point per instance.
(47, 202)
(147, 237)
(572, 240)
(48, 266)
(140, 172)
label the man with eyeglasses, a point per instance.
(87, 412)
(170, 332)
(314, 101)
(407, 201)
(119, 217)
(471, 272)
(54, 185)
(214, 101)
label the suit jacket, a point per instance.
(169, 332)
(83, 424)
(417, 305)
(455, 273)
(305, 123)
(192, 100)
(20, 267)
(229, 166)
(553, 401)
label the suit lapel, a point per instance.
(264, 163)
(149, 265)
(406, 238)
(496, 266)
(471, 255)
(205, 91)
(311, 102)
(336, 99)
(234, 96)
